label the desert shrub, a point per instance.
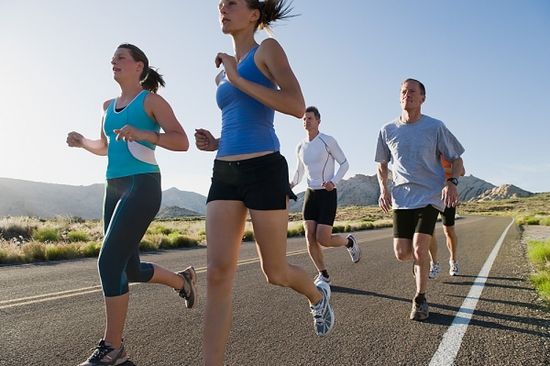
(539, 252)
(338, 229)
(248, 235)
(541, 281)
(46, 234)
(34, 251)
(160, 229)
(16, 231)
(77, 235)
(62, 251)
(90, 249)
(545, 221)
(180, 241)
(296, 231)
(148, 245)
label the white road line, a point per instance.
(452, 339)
(6, 304)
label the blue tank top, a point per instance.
(129, 158)
(247, 124)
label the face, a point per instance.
(310, 122)
(124, 66)
(411, 97)
(235, 15)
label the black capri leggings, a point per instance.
(131, 203)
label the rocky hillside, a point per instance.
(363, 190)
(502, 192)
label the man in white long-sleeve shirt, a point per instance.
(317, 155)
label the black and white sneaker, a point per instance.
(189, 290)
(323, 315)
(104, 354)
(354, 250)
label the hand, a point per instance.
(449, 195)
(229, 64)
(74, 139)
(384, 201)
(329, 186)
(205, 141)
(129, 133)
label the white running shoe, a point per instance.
(434, 270)
(323, 315)
(453, 268)
(354, 251)
(320, 277)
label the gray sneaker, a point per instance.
(354, 251)
(320, 277)
(419, 311)
(189, 290)
(323, 315)
(104, 354)
(454, 269)
(434, 270)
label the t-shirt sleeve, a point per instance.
(448, 145)
(299, 173)
(382, 150)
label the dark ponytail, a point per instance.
(150, 79)
(270, 11)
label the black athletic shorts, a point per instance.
(407, 222)
(260, 183)
(320, 206)
(448, 216)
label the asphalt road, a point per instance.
(52, 314)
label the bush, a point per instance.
(160, 229)
(180, 241)
(545, 221)
(248, 235)
(541, 280)
(16, 231)
(539, 252)
(34, 252)
(62, 251)
(90, 249)
(46, 234)
(148, 245)
(77, 235)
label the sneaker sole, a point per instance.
(333, 322)
(191, 278)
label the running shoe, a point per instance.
(419, 311)
(189, 290)
(104, 354)
(434, 270)
(320, 277)
(354, 250)
(453, 268)
(323, 315)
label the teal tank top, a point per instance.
(129, 158)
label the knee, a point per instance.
(311, 239)
(276, 278)
(219, 274)
(324, 240)
(402, 255)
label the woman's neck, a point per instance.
(242, 44)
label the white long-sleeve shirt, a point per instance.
(316, 160)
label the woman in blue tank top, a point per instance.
(129, 135)
(249, 174)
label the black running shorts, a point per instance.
(407, 222)
(260, 183)
(320, 206)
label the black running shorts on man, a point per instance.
(320, 206)
(407, 222)
(448, 216)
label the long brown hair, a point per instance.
(270, 11)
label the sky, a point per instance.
(485, 65)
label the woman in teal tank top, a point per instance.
(250, 175)
(130, 132)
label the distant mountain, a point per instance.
(26, 198)
(363, 190)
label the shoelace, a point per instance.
(100, 351)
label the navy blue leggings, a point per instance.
(131, 203)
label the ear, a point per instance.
(139, 66)
(255, 16)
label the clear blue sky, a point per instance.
(485, 65)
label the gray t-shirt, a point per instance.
(414, 152)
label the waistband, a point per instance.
(264, 159)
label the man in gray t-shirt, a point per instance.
(413, 144)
